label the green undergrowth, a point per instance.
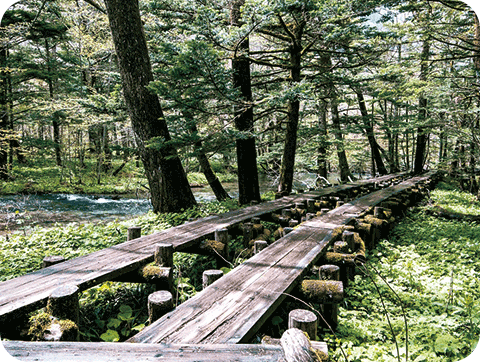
(22, 253)
(433, 265)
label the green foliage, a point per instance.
(434, 266)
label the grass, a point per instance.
(433, 265)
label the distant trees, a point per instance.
(276, 88)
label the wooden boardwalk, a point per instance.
(232, 309)
(216, 323)
(31, 291)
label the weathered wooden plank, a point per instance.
(31, 290)
(128, 352)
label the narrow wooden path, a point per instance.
(232, 309)
(31, 291)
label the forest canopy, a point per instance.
(250, 87)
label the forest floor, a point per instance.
(431, 263)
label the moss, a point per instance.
(321, 356)
(212, 245)
(322, 291)
(337, 233)
(334, 258)
(149, 272)
(39, 323)
(69, 330)
(375, 221)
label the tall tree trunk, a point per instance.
(248, 186)
(169, 188)
(293, 112)
(345, 173)
(55, 118)
(322, 169)
(368, 127)
(217, 187)
(422, 131)
(4, 117)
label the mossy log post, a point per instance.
(345, 261)
(164, 254)
(247, 233)
(259, 245)
(159, 303)
(52, 260)
(297, 347)
(324, 292)
(63, 305)
(305, 320)
(366, 232)
(293, 223)
(287, 230)
(162, 277)
(133, 233)
(340, 247)
(329, 311)
(311, 205)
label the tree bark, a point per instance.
(3, 116)
(368, 127)
(293, 111)
(248, 186)
(422, 132)
(168, 183)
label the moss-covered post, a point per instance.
(159, 303)
(133, 233)
(311, 205)
(297, 347)
(210, 276)
(221, 236)
(63, 305)
(329, 311)
(164, 254)
(247, 233)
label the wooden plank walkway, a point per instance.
(233, 308)
(31, 291)
(128, 352)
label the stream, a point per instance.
(25, 211)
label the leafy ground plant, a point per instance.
(433, 265)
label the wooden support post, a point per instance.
(297, 347)
(293, 223)
(304, 320)
(63, 306)
(52, 260)
(339, 203)
(349, 238)
(324, 211)
(162, 277)
(329, 311)
(340, 247)
(311, 205)
(329, 272)
(221, 236)
(133, 233)
(287, 212)
(259, 245)
(210, 276)
(247, 233)
(63, 303)
(287, 230)
(309, 216)
(324, 292)
(164, 254)
(159, 303)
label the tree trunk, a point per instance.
(293, 111)
(322, 145)
(422, 132)
(3, 116)
(55, 117)
(368, 127)
(217, 187)
(169, 188)
(248, 186)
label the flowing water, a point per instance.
(25, 211)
